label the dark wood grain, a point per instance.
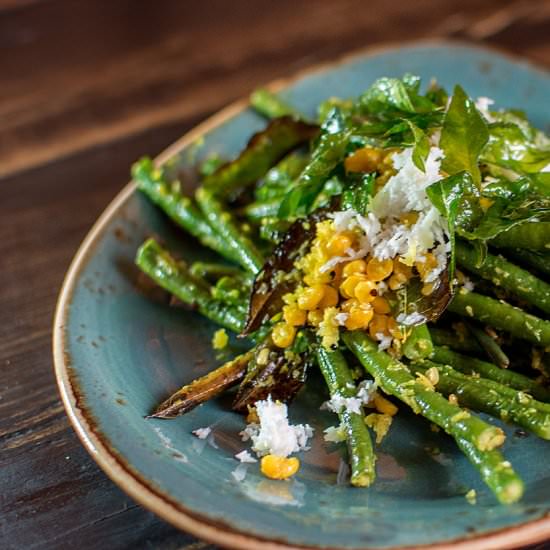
(86, 87)
(75, 74)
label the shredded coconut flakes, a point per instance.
(384, 235)
(384, 341)
(202, 433)
(366, 391)
(246, 457)
(341, 318)
(337, 403)
(274, 434)
(364, 395)
(413, 318)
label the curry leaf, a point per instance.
(328, 153)
(386, 111)
(278, 275)
(437, 95)
(412, 83)
(421, 146)
(457, 199)
(513, 202)
(279, 178)
(281, 377)
(463, 136)
(386, 95)
(517, 147)
(540, 183)
(358, 195)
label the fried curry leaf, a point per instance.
(463, 136)
(393, 98)
(326, 108)
(420, 308)
(278, 276)
(511, 203)
(275, 372)
(205, 387)
(437, 94)
(457, 198)
(540, 183)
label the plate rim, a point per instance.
(139, 487)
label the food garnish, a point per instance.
(399, 244)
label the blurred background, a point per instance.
(76, 74)
(86, 87)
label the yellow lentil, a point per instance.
(279, 467)
(378, 270)
(347, 288)
(283, 335)
(310, 297)
(365, 291)
(355, 266)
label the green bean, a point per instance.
(523, 397)
(492, 398)
(506, 275)
(325, 157)
(262, 152)
(270, 105)
(231, 290)
(469, 365)
(418, 344)
(340, 382)
(395, 379)
(222, 220)
(273, 229)
(204, 388)
(209, 270)
(210, 164)
(279, 178)
(258, 210)
(458, 340)
(529, 235)
(502, 316)
(178, 207)
(538, 260)
(496, 472)
(171, 275)
(490, 346)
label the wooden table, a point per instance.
(86, 87)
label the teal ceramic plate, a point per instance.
(119, 352)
